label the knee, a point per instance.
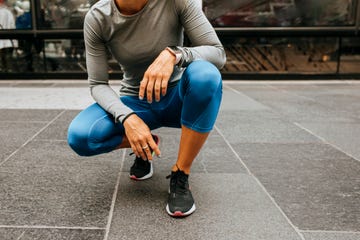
(204, 77)
(78, 141)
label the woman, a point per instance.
(164, 85)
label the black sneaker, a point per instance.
(143, 169)
(180, 201)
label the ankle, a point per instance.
(176, 167)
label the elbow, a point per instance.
(94, 84)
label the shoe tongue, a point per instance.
(181, 176)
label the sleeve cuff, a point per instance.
(121, 118)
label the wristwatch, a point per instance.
(176, 52)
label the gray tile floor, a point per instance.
(283, 163)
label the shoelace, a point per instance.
(178, 181)
(139, 162)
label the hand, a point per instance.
(156, 77)
(140, 138)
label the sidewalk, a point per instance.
(283, 163)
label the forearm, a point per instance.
(106, 97)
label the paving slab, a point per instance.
(234, 100)
(271, 130)
(331, 236)
(29, 84)
(341, 98)
(11, 234)
(68, 115)
(26, 115)
(315, 89)
(229, 206)
(53, 234)
(15, 134)
(58, 129)
(47, 184)
(45, 98)
(316, 185)
(297, 107)
(345, 136)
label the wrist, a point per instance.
(175, 51)
(122, 119)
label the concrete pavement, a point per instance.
(283, 163)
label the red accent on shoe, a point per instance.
(178, 214)
(133, 177)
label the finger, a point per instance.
(141, 152)
(164, 84)
(148, 154)
(157, 89)
(134, 150)
(150, 88)
(143, 85)
(154, 147)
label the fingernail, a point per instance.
(141, 98)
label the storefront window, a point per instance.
(33, 53)
(60, 14)
(281, 55)
(280, 13)
(15, 14)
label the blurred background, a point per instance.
(262, 38)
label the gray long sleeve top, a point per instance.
(136, 40)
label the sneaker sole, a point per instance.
(179, 214)
(147, 176)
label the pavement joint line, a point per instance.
(326, 231)
(50, 227)
(31, 138)
(204, 166)
(327, 142)
(21, 235)
(261, 186)
(233, 150)
(114, 197)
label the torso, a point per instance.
(136, 40)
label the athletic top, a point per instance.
(136, 40)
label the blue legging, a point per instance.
(194, 102)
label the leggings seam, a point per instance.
(91, 128)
